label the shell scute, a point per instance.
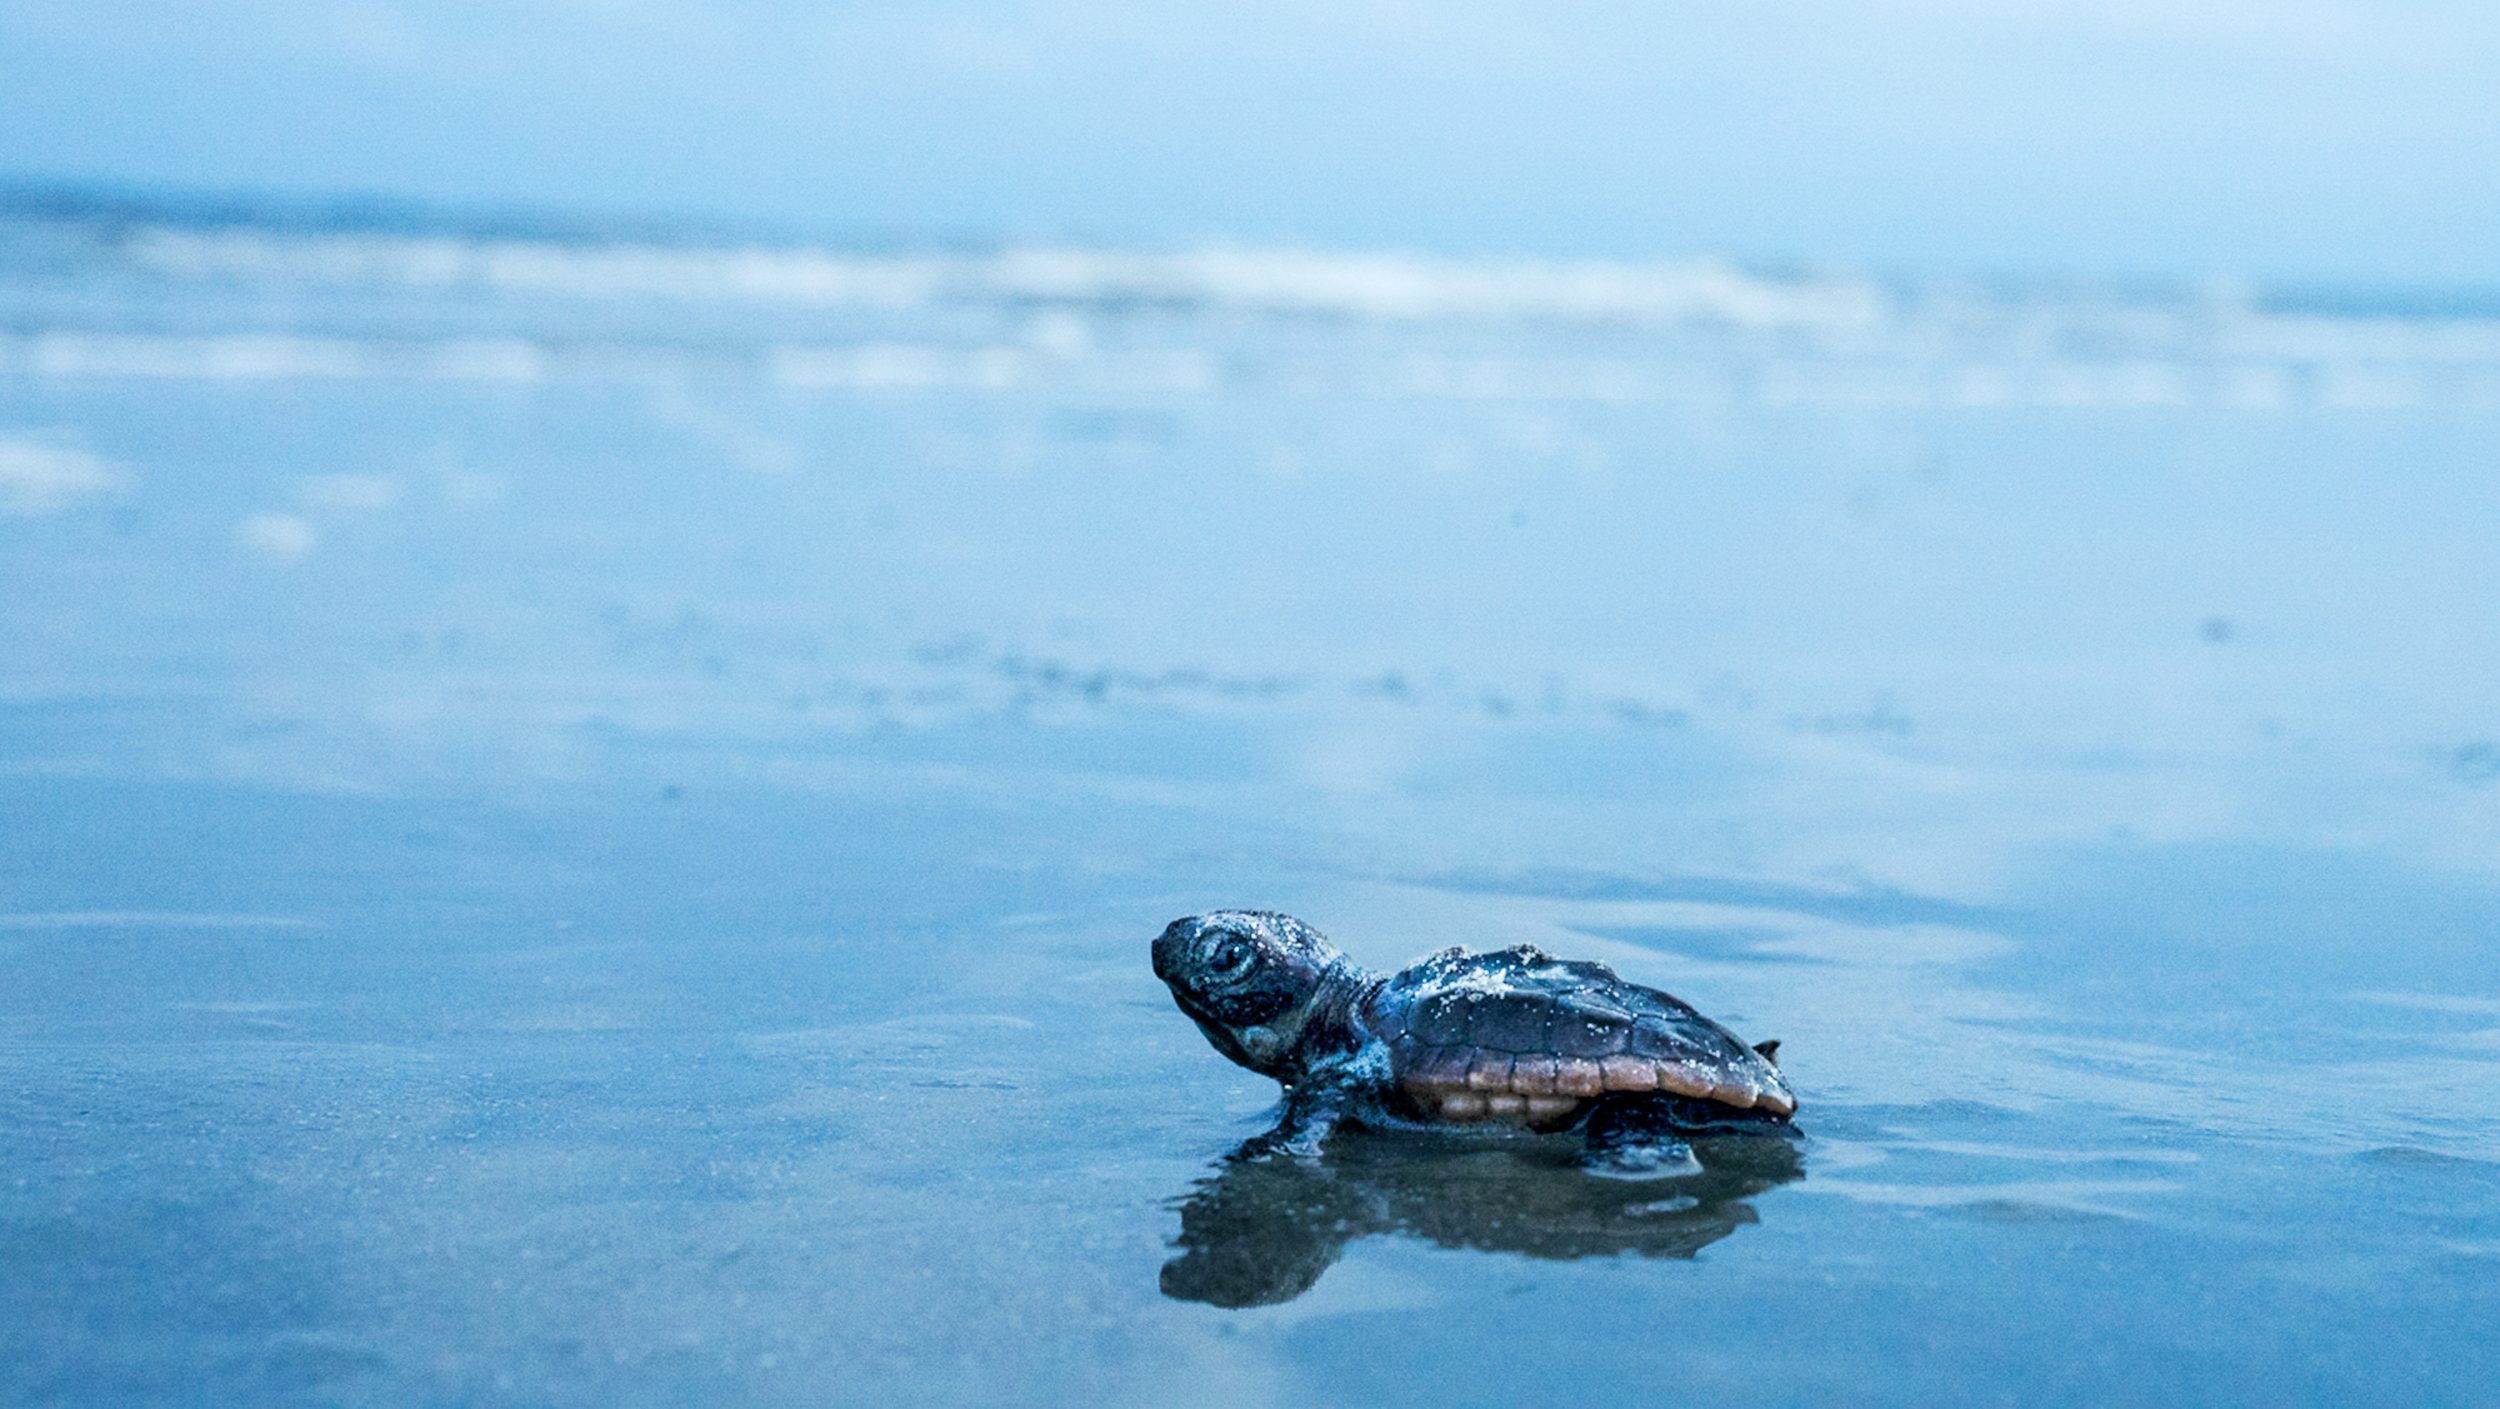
(1594, 1004)
(1490, 1071)
(1587, 1035)
(1443, 1066)
(1629, 1073)
(1578, 1076)
(1437, 1018)
(1533, 1075)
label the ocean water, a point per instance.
(580, 815)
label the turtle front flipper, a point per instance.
(1312, 1110)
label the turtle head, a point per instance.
(1251, 980)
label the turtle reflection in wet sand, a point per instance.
(1260, 1232)
(1512, 1037)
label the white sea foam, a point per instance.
(333, 305)
(1370, 286)
(276, 535)
(888, 366)
(37, 477)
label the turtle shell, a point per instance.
(1518, 1035)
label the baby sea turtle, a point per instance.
(1509, 1037)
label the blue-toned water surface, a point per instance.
(579, 821)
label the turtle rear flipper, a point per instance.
(1650, 1135)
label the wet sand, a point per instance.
(628, 881)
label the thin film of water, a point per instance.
(573, 846)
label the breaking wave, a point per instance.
(88, 293)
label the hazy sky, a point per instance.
(2350, 139)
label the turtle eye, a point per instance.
(1232, 959)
